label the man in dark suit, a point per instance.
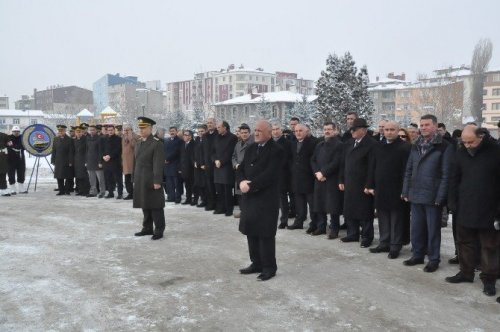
(187, 165)
(199, 183)
(62, 159)
(207, 166)
(148, 178)
(258, 177)
(81, 174)
(112, 157)
(326, 162)
(380, 137)
(302, 177)
(358, 203)
(284, 183)
(222, 154)
(385, 183)
(172, 148)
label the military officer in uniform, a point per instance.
(62, 159)
(4, 165)
(148, 178)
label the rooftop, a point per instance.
(271, 97)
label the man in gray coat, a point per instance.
(239, 152)
(93, 162)
(148, 178)
(425, 186)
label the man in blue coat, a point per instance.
(425, 186)
(173, 185)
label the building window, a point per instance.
(247, 112)
(15, 121)
(485, 92)
(235, 112)
(495, 118)
(495, 106)
(33, 121)
(495, 92)
(484, 107)
(2, 121)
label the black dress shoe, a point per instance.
(68, 194)
(193, 204)
(349, 239)
(250, 269)
(61, 193)
(393, 254)
(170, 201)
(230, 214)
(413, 261)
(453, 260)
(128, 197)
(489, 290)
(343, 226)
(177, 202)
(219, 212)
(91, 195)
(282, 225)
(379, 249)
(295, 226)
(143, 233)
(201, 205)
(333, 236)
(110, 195)
(458, 278)
(431, 267)
(100, 196)
(156, 236)
(119, 197)
(310, 230)
(365, 243)
(209, 208)
(186, 203)
(318, 232)
(266, 276)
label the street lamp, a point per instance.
(147, 98)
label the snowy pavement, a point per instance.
(73, 264)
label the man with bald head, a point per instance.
(303, 177)
(475, 199)
(258, 178)
(385, 183)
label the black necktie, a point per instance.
(356, 143)
(259, 148)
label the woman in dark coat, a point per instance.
(327, 196)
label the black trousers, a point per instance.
(129, 185)
(225, 200)
(391, 228)
(301, 202)
(320, 221)
(285, 207)
(173, 186)
(65, 185)
(292, 210)
(188, 184)
(210, 189)
(3, 181)
(18, 167)
(156, 217)
(353, 226)
(199, 194)
(83, 185)
(115, 180)
(467, 252)
(262, 252)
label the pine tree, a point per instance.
(341, 89)
(264, 109)
(306, 111)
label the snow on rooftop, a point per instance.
(270, 97)
(85, 112)
(20, 113)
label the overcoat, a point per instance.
(148, 170)
(62, 156)
(187, 160)
(260, 206)
(223, 150)
(302, 174)
(172, 151)
(80, 146)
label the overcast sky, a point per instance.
(45, 43)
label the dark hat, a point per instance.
(119, 127)
(98, 127)
(359, 123)
(74, 127)
(61, 126)
(143, 122)
(108, 125)
(84, 125)
(244, 126)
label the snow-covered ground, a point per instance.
(73, 264)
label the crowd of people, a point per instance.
(410, 179)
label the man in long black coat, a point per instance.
(187, 165)
(4, 163)
(81, 175)
(326, 162)
(148, 178)
(358, 203)
(302, 150)
(285, 174)
(112, 162)
(474, 196)
(93, 162)
(199, 185)
(17, 162)
(207, 166)
(62, 159)
(258, 177)
(173, 182)
(386, 183)
(222, 154)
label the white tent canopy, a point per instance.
(108, 111)
(85, 113)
